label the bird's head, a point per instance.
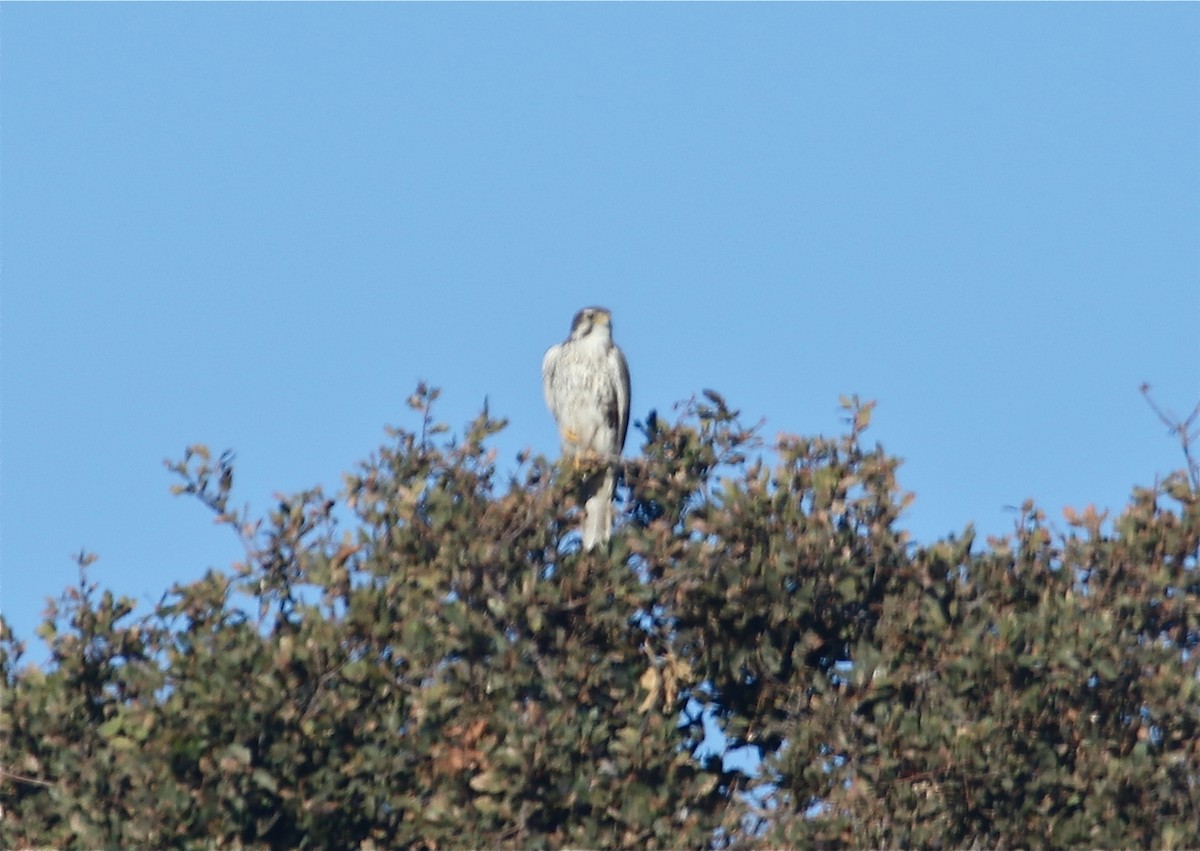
(592, 321)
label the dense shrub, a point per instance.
(451, 672)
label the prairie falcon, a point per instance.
(586, 382)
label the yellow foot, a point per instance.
(577, 458)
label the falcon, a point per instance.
(586, 382)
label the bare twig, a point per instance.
(21, 778)
(1183, 428)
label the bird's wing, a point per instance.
(549, 365)
(620, 370)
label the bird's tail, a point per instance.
(598, 513)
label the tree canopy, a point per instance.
(446, 669)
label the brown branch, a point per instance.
(21, 778)
(1182, 428)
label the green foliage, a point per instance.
(452, 672)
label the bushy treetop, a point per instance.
(449, 671)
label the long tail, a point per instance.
(598, 513)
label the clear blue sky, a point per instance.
(257, 226)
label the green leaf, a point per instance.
(490, 782)
(263, 778)
(239, 753)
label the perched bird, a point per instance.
(586, 382)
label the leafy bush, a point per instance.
(452, 672)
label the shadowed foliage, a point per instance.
(451, 672)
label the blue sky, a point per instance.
(257, 226)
